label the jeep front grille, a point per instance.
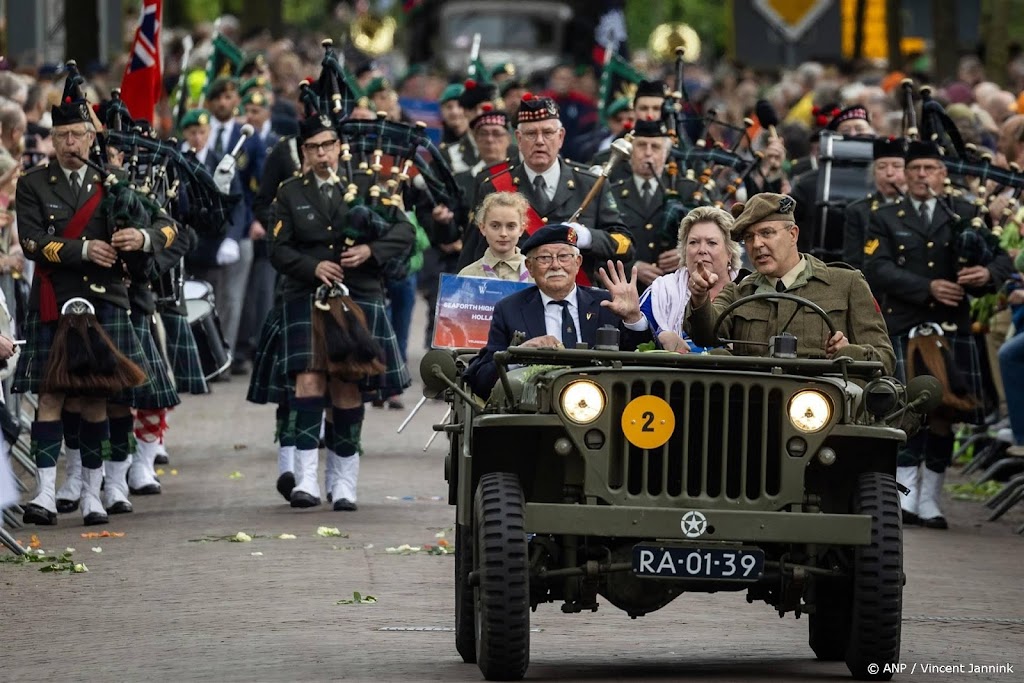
(726, 443)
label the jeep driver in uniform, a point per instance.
(555, 191)
(767, 230)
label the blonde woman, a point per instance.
(704, 236)
(501, 219)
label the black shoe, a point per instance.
(36, 514)
(147, 490)
(94, 518)
(162, 459)
(301, 499)
(378, 403)
(122, 507)
(242, 368)
(395, 404)
(910, 518)
(64, 506)
(935, 523)
(285, 484)
(344, 505)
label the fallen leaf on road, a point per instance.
(328, 532)
(97, 550)
(357, 599)
(34, 542)
(236, 475)
(241, 537)
(159, 471)
(240, 446)
(174, 473)
(256, 554)
(287, 537)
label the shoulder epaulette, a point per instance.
(585, 170)
(34, 169)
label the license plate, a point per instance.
(698, 563)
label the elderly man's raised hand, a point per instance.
(625, 301)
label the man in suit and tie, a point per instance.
(556, 313)
(555, 190)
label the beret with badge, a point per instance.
(560, 233)
(923, 149)
(533, 108)
(195, 117)
(649, 128)
(489, 117)
(73, 107)
(889, 148)
(766, 206)
(452, 91)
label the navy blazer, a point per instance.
(524, 312)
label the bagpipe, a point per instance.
(976, 240)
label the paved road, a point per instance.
(159, 605)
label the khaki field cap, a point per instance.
(766, 206)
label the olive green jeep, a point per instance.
(642, 476)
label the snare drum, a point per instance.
(214, 353)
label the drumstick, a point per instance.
(246, 131)
(19, 342)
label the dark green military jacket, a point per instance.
(841, 292)
(45, 205)
(309, 229)
(611, 239)
(858, 214)
(902, 255)
(647, 222)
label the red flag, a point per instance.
(142, 84)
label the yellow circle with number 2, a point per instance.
(648, 422)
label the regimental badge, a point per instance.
(786, 204)
(571, 184)
(51, 252)
(277, 228)
(551, 108)
(30, 246)
(169, 235)
(204, 119)
(570, 237)
(84, 111)
(870, 246)
(325, 122)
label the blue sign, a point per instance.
(465, 305)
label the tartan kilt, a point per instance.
(183, 354)
(158, 392)
(297, 328)
(39, 339)
(965, 354)
(269, 382)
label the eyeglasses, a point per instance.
(547, 259)
(75, 135)
(548, 134)
(312, 147)
(926, 168)
(765, 234)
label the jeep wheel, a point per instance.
(877, 609)
(465, 629)
(829, 626)
(502, 594)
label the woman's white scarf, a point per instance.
(669, 295)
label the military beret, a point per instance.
(508, 69)
(618, 106)
(452, 92)
(256, 97)
(650, 89)
(890, 147)
(766, 206)
(195, 117)
(559, 233)
(219, 86)
(476, 93)
(489, 117)
(848, 114)
(922, 149)
(314, 125)
(256, 82)
(649, 128)
(376, 85)
(533, 109)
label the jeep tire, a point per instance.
(465, 629)
(876, 613)
(502, 593)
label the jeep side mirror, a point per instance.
(924, 394)
(436, 366)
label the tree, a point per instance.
(997, 45)
(944, 36)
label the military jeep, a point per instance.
(641, 476)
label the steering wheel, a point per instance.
(769, 296)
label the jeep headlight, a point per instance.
(809, 410)
(582, 401)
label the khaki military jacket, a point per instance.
(841, 292)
